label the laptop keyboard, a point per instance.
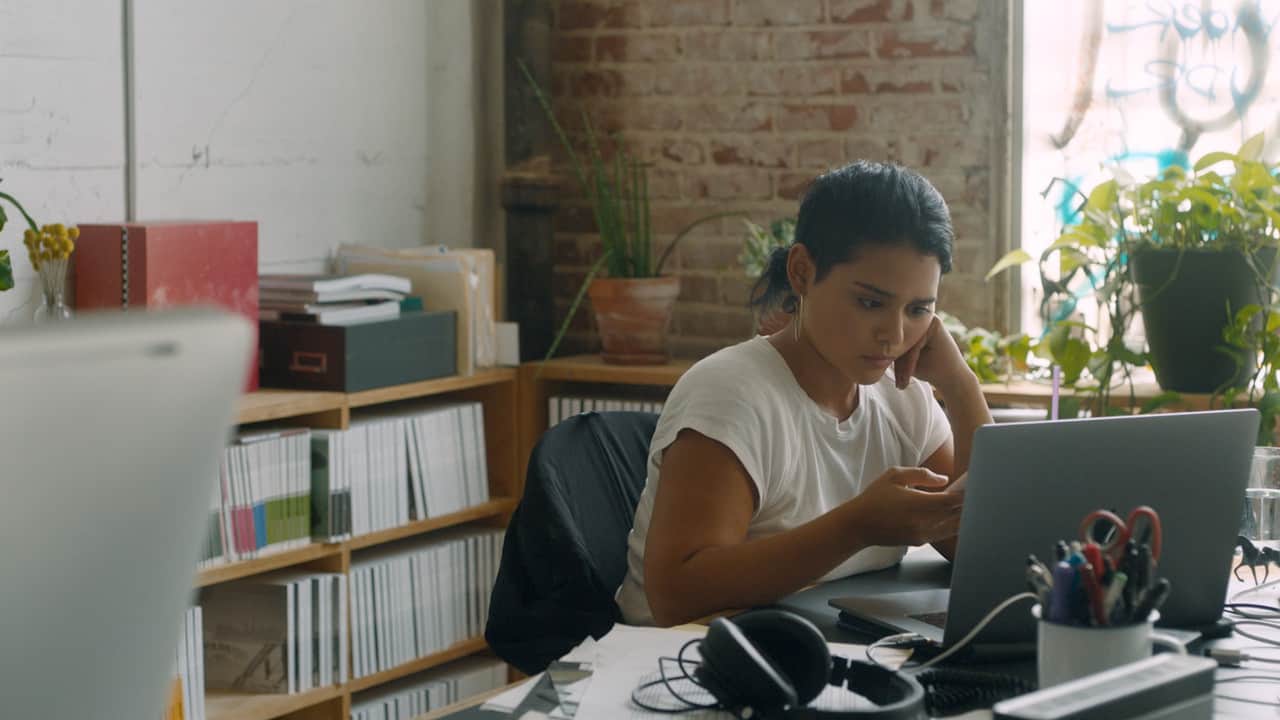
(936, 619)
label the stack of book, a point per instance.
(418, 597)
(282, 632)
(331, 299)
(434, 689)
(187, 702)
(413, 463)
(560, 407)
(262, 501)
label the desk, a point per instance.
(922, 569)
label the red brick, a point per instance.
(951, 150)
(823, 44)
(733, 187)
(699, 288)
(710, 253)
(611, 83)
(758, 151)
(664, 184)
(792, 80)
(933, 41)
(650, 116)
(684, 152)
(637, 48)
(825, 153)
(865, 148)
(699, 80)
(672, 220)
(922, 114)
(726, 45)
(734, 116)
(816, 117)
(571, 49)
(792, 186)
(689, 13)
(710, 322)
(853, 82)
(566, 251)
(735, 288)
(963, 10)
(773, 12)
(587, 14)
(862, 11)
(575, 218)
(565, 282)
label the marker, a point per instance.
(1151, 600)
(1059, 609)
(1111, 598)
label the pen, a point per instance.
(1059, 609)
(1033, 561)
(1060, 550)
(1151, 600)
(1093, 594)
(1041, 585)
(1111, 598)
(1143, 567)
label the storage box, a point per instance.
(349, 358)
(159, 264)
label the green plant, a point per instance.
(761, 242)
(1182, 210)
(991, 356)
(6, 265)
(617, 188)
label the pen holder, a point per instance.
(1067, 652)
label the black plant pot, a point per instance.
(1185, 296)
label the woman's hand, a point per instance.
(904, 507)
(936, 359)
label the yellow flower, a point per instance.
(29, 237)
(74, 233)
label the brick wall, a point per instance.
(739, 103)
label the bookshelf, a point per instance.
(497, 390)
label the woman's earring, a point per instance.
(799, 318)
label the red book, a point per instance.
(160, 264)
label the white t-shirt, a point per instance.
(802, 460)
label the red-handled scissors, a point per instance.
(1106, 530)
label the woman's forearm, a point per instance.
(967, 409)
(755, 572)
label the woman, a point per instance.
(818, 451)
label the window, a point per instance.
(1141, 84)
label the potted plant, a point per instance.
(1192, 250)
(49, 249)
(633, 301)
(759, 244)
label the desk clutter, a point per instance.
(1108, 576)
(283, 488)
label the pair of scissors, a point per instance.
(1105, 530)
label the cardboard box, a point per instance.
(161, 264)
(349, 358)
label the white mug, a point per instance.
(1067, 652)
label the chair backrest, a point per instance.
(565, 551)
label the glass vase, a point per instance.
(53, 305)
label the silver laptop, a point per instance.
(111, 429)
(1030, 484)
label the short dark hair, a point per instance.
(862, 203)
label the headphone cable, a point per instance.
(964, 641)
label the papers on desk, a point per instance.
(628, 656)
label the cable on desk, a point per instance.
(1247, 678)
(1254, 589)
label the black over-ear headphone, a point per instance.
(773, 663)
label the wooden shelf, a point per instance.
(590, 368)
(270, 404)
(458, 650)
(266, 563)
(493, 508)
(1041, 394)
(247, 706)
(377, 396)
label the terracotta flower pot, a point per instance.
(632, 317)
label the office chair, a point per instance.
(565, 551)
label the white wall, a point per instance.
(61, 122)
(327, 121)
